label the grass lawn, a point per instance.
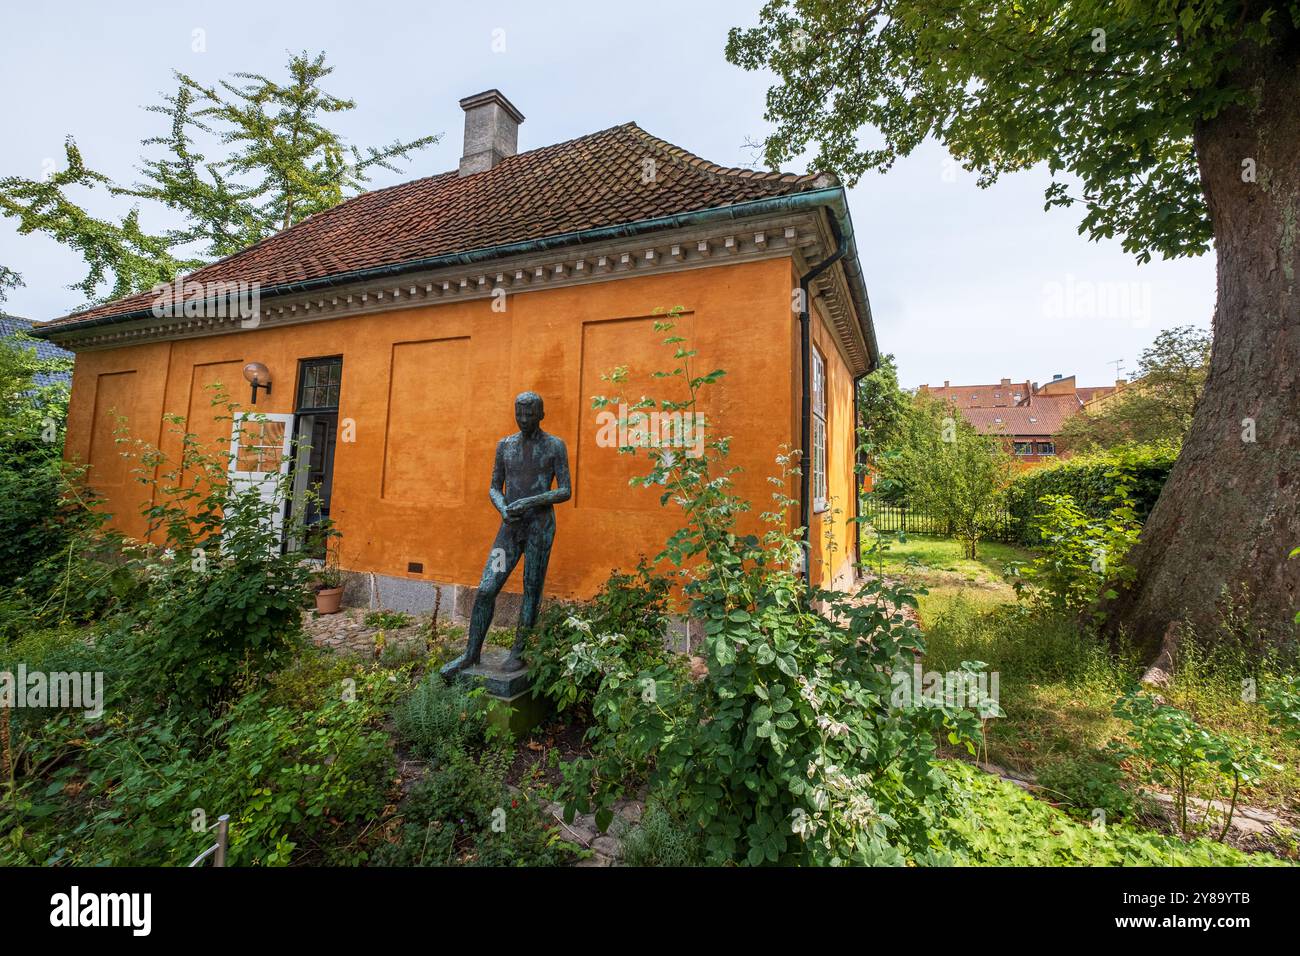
(940, 566)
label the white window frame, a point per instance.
(264, 481)
(820, 490)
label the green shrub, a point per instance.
(32, 420)
(222, 599)
(462, 814)
(57, 564)
(295, 780)
(1281, 700)
(661, 839)
(789, 750)
(1081, 557)
(438, 719)
(299, 781)
(1091, 481)
(631, 608)
(1180, 754)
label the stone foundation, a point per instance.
(372, 591)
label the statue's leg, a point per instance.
(505, 554)
(537, 554)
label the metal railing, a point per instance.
(1002, 525)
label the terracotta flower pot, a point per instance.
(328, 600)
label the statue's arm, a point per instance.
(561, 491)
(497, 490)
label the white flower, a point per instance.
(833, 727)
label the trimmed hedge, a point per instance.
(1086, 480)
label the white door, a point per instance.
(259, 457)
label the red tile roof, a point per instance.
(585, 183)
(980, 396)
(1044, 417)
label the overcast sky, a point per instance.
(967, 285)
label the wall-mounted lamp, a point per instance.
(259, 376)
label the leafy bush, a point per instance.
(1092, 482)
(631, 608)
(1281, 699)
(296, 780)
(462, 814)
(438, 719)
(661, 839)
(52, 543)
(789, 751)
(1080, 556)
(944, 468)
(1181, 753)
(221, 598)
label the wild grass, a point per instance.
(939, 565)
(1058, 681)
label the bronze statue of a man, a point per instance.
(526, 465)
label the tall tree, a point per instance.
(120, 253)
(278, 163)
(942, 467)
(9, 279)
(282, 162)
(882, 406)
(1158, 405)
(1172, 123)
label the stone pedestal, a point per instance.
(519, 709)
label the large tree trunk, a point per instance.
(1230, 512)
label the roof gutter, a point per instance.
(833, 199)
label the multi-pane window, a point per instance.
(318, 386)
(1046, 448)
(261, 446)
(820, 493)
(1024, 448)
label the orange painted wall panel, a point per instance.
(424, 444)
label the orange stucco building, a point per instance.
(398, 327)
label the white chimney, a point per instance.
(491, 131)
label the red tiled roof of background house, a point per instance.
(1002, 394)
(1020, 419)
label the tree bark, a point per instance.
(1229, 515)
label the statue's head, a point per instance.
(529, 411)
